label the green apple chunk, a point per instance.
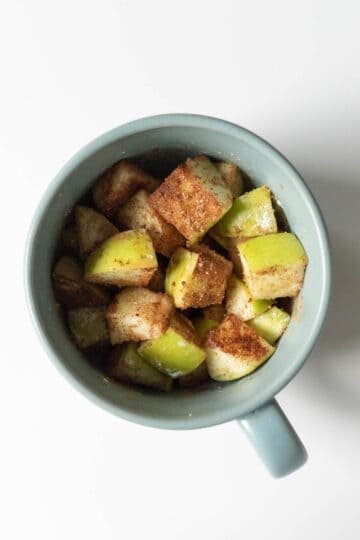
(203, 326)
(234, 350)
(177, 352)
(138, 214)
(92, 229)
(271, 325)
(126, 365)
(71, 290)
(273, 265)
(232, 176)
(88, 326)
(137, 314)
(196, 377)
(197, 278)
(251, 214)
(240, 302)
(127, 258)
(193, 198)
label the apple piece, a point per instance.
(193, 198)
(234, 350)
(92, 229)
(126, 365)
(203, 326)
(88, 326)
(221, 240)
(69, 239)
(273, 265)
(137, 314)
(157, 282)
(117, 185)
(71, 290)
(138, 214)
(195, 377)
(127, 258)
(251, 215)
(240, 302)
(197, 277)
(232, 176)
(176, 352)
(271, 325)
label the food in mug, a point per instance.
(178, 282)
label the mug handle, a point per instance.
(274, 439)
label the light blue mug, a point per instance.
(165, 140)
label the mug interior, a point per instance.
(161, 142)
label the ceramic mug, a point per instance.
(164, 141)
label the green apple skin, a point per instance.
(177, 352)
(251, 215)
(203, 326)
(126, 365)
(273, 265)
(181, 267)
(271, 325)
(127, 258)
(88, 326)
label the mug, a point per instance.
(161, 142)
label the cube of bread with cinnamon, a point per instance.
(193, 198)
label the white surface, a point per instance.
(73, 69)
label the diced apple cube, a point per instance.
(203, 326)
(88, 326)
(92, 229)
(138, 214)
(157, 282)
(126, 365)
(176, 352)
(127, 258)
(137, 314)
(240, 302)
(251, 215)
(71, 290)
(234, 350)
(232, 176)
(271, 325)
(273, 265)
(118, 184)
(193, 198)
(197, 278)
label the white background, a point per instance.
(72, 69)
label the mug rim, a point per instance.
(132, 128)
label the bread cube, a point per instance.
(71, 290)
(231, 174)
(126, 365)
(215, 312)
(137, 314)
(197, 277)
(240, 302)
(273, 265)
(234, 350)
(117, 185)
(193, 198)
(88, 326)
(176, 352)
(127, 258)
(271, 325)
(92, 229)
(251, 215)
(137, 214)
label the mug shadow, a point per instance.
(334, 367)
